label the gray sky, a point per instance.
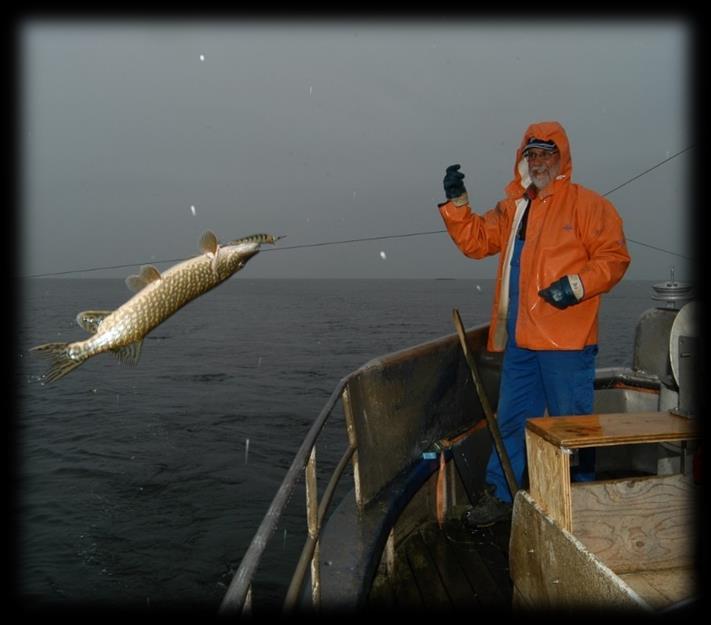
(329, 131)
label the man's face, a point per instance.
(543, 166)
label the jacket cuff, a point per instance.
(461, 200)
(576, 284)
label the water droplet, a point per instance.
(383, 255)
(202, 57)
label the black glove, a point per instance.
(453, 185)
(559, 294)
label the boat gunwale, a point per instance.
(238, 591)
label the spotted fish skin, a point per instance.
(159, 296)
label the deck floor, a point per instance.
(445, 569)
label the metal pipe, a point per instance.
(234, 598)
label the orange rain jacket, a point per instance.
(570, 230)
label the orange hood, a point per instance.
(548, 131)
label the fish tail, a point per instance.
(62, 363)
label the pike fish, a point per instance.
(158, 296)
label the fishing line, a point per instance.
(379, 238)
(666, 160)
(382, 237)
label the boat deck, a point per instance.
(451, 568)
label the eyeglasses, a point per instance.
(543, 155)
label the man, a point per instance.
(560, 247)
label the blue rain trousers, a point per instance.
(532, 380)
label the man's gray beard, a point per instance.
(540, 181)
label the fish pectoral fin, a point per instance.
(208, 243)
(147, 275)
(135, 283)
(129, 354)
(90, 320)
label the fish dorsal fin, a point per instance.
(147, 275)
(211, 248)
(208, 243)
(129, 354)
(91, 319)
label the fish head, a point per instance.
(232, 257)
(246, 249)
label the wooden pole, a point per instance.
(488, 412)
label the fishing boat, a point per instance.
(418, 444)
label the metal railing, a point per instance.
(237, 599)
(315, 514)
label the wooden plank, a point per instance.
(549, 477)
(382, 593)
(457, 567)
(460, 592)
(495, 560)
(551, 569)
(488, 578)
(663, 588)
(637, 524)
(424, 570)
(599, 430)
(407, 594)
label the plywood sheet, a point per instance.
(549, 478)
(636, 524)
(664, 588)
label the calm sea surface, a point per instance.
(143, 486)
